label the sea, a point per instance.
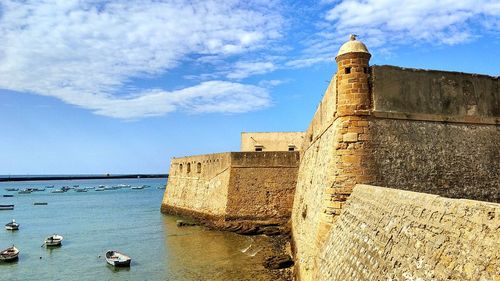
(125, 219)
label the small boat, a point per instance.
(25, 191)
(100, 189)
(137, 187)
(37, 189)
(49, 186)
(57, 191)
(6, 207)
(80, 190)
(40, 203)
(116, 258)
(13, 225)
(8, 195)
(53, 240)
(12, 189)
(9, 254)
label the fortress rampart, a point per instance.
(426, 131)
(390, 234)
(234, 188)
(432, 137)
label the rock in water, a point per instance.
(181, 223)
(277, 262)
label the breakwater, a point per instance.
(80, 177)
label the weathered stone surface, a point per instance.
(448, 159)
(390, 234)
(434, 92)
(237, 190)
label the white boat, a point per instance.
(116, 258)
(53, 240)
(9, 254)
(13, 225)
(25, 191)
(138, 187)
(57, 191)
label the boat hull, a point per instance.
(117, 259)
(6, 207)
(9, 254)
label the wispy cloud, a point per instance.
(245, 69)
(387, 24)
(86, 53)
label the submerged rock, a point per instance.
(182, 223)
(278, 262)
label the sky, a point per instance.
(92, 87)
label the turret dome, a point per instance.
(352, 46)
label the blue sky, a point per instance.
(123, 86)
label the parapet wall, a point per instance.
(389, 234)
(431, 92)
(233, 187)
(271, 141)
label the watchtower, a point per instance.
(352, 78)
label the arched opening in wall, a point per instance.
(347, 70)
(188, 168)
(198, 167)
(180, 168)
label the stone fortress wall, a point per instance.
(399, 177)
(233, 188)
(426, 131)
(271, 141)
(391, 234)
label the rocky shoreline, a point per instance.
(272, 240)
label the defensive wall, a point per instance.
(271, 141)
(425, 131)
(233, 189)
(391, 234)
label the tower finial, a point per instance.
(353, 37)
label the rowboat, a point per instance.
(40, 203)
(9, 254)
(13, 225)
(12, 189)
(8, 195)
(6, 207)
(53, 240)
(118, 259)
(25, 191)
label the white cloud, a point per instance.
(207, 97)
(86, 53)
(388, 24)
(245, 69)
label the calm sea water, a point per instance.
(126, 220)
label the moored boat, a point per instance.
(12, 189)
(118, 259)
(13, 225)
(25, 191)
(6, 207)
(57, 191)
(53, 240)
(40, 203)
(80, 190)
(8, 195)
(9, 254)
(137, 187)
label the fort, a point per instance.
(397, 177)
